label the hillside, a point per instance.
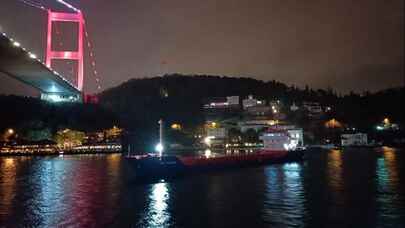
(179, 98)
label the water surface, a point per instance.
(349, 188)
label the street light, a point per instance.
(159, 148)
(10, 131)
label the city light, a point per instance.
(176, 126)
(333, 123)
(291, 146)
(159, 148)
(10, 131)
(207, 153)
(207, 140)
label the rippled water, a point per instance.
(350, 188)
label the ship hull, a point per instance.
(172, 166)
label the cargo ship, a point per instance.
(279, 147)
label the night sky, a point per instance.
(345, 44)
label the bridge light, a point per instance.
(32, 55)
(16, 44)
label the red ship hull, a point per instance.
(169, 166)
(234, 159)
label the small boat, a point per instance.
(279, 147)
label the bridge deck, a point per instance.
(19, 64)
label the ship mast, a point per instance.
(160, 145)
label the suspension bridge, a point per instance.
(20, 63)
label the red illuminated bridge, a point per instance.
(23, 65)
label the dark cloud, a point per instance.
(315, 42)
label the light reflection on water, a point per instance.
(330, 189)
(335, 171)
(7, 184)
(284, 202)
(387, 184)
(335, 179)
(157, 214)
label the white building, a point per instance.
(251, 102)
(356, 139)
(217, 133)
(275, 140)
(297, 134)
(222, 102)
(216, 136)
(280, 138)
(233, 100)
(256, 125)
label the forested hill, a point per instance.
(141, 102)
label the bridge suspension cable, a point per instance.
(92, 56)
(34, 4)
(68, 5)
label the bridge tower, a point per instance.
(76, 17)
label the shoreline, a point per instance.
(42, 154)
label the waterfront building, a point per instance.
(216, 136)
(217, 132)
(294, 132)
(354, 139)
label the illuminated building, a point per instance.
(356, 139)
(222, 102)
(220, 108)
(252, 102)
(256, 125)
